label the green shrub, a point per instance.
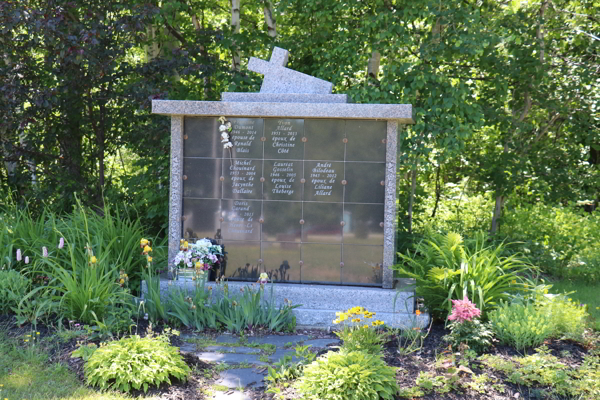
(348, 376)
(568, 318)
(475, 334)
(585, 265)
(521, 325)
(135, 363)
(13, 287)
(558, 239)
(445, 268)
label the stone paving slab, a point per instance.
(280, 353)
(230, 358)
(241, 377)
(232, 349)
(188, 348)
(279, 340)
(227, 339)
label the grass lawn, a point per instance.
(26, 374)
(586, 293)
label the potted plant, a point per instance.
(198, 260)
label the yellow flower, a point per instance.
(199, 264)
(26, 340)
(545, 291)
(93, 259)
(356, 320)
(144, 242)
(514, 282)
(147, 249)
(418, 312)
(37, 333)
(377, 323)
(27, 335)
(149, 260)
(122, 281)
(336, 321)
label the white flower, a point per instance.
(227, 145)
(224, 135)
(225, 141)
(222, 128)
(228, 125)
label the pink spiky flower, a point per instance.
(464, 310)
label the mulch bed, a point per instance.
(570, 353)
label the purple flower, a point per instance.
(26, 259)
(18, 254)
(44, 251)
(61, 243)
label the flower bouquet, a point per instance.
(194, 260)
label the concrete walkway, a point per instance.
(243, 362)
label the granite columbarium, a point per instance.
(306, 194)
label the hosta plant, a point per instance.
(135, 363)
(348, 376)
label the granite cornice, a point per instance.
(403, 113)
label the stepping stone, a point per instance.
(231, 396)
(235, 349)
(278, 340)
(227, 339)
(321, 342)
(230, 358)
(241, 377)
(188, 348)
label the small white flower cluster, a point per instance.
(225, 128)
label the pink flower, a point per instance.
(19, 255)
(61, 243)
(44, 251)
(26, 259)
(463, 310)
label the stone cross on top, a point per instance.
(279, 79)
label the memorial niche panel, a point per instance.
(324, 139)
(202, 138)
(366, 140)
(364, 182)
(281, 221)
(281, 260)
(322, 222)
(363, 224)
(242, 260)
(241, 179)
(323, 181)
(240, 220)
(321, 263)
(201, 218)
(362, 264)
(284, 139)
(282, 180)
(201, 178)
(245, 137)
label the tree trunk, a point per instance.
(270, 19)
(203, 52)
(411, 199)
(373, 66)
(235, 24)
(497, 213)
(438, 190)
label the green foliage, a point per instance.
(410, 340)
(84, 351)
(348, 376)
(135, 363)
(544, 369)
(568, 318)
(560, 240)
(13, 287)
(445, 268)
(285, 370)
(475, 334)
(521, 325)
(359, 332)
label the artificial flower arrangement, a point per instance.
(202, 255)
